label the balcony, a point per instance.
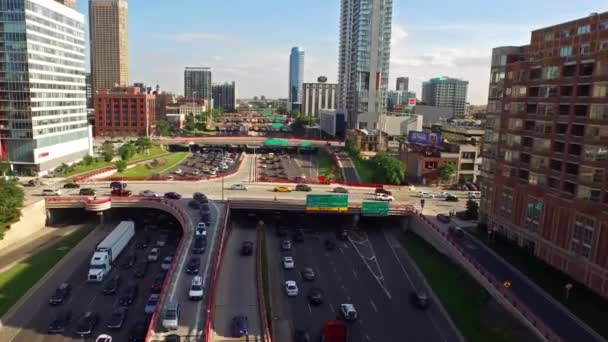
(592, 179)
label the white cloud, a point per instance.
(398, 34)
(183, 37)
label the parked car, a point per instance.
(157, 285)
(288, 263)
(166, 264)
(140, 269)
(196, 288)
(420, 300)
(238, 187)
(111, 286)
(303, 187)
(443, 218)
(151, 303)
(117, 318)
(143, 242)
(171, 317)
(60, 322)
(87, 323)
(291, 288)
(153, 255)
(173, 195)
(162, 240)
(178, 171)
(193, 265)
(201, 229)
(240, 325)
(340, 190)
(247, 248)
(71, 186)
(61, 294)
(424, 194)
(280, 188)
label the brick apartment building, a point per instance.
(545, 155)
(124, 111)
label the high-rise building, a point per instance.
(197, 83)
(43, 117)
(319, 96)
(108, 35)
(296, 78)
(397, 99)
(549, 191)
(69, 3)
(89, 89)
(224, 97)
(364, 54)
(402, 84)
(446, 92)
(124, 111)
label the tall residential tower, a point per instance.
(446, 92)
(364, 54)
(296, 78)
(197, 83)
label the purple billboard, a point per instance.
(431, 139)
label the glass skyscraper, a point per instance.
(296, 78)
(364, 54)
(446, 92)
(43, 118)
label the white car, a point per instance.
(443, 194)
(291, 288)
(171, 317)
(103, 338)
(178, 171)
(51, 192)
(201, 229)
(153, 255)
(349, 312)
(384, 197)
(212, 172)
(288, 263)
(424, 194)
(196, 288)
(238, 187)
(205, 169)
(149, 193)
(196, 172)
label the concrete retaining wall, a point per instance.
(33, 220)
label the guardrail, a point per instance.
(541, 329)
(260, 286)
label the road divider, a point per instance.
(259, 277)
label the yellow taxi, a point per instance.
(281, 188)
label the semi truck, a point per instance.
(334, 331)
(109, 249)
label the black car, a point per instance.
(308, 274)
(172, 338)
(240, 326)
(315, 296)
(340, 190)
(194, 204)
(298, 236)
(128, 295)
(200, 244)
(342, 235)
(200, 197)
(87, 192)
(71, 186)
(129, 261)
(140, 269)
(302, 336)
(138, 331)
(111, 286)
(247, 248)
(61, 294)
(443, 218)
(60, 322)
(205, 217)
(173, 195)
(118, 185)
(117, 318)
(143, 243)
(303, 187)
(451, 198)
(87, 323)
(204, 208)
(420, 300)
(193, 266)
(330, 245)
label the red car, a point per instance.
(158, 284)
(121, 193)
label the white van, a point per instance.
(171, 318)
(51, 192)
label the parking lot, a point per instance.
(205, 164)
(35, 314)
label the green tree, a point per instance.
(388, 169)
(300, 123)
(142, 144)
(107, 150)
(5, 166)
(163, 128)
(127, 151)
(472, 212)
(294, 113)
(446, 171)
(190, 123)
(87, 160)
(282, 110)
(11, 201)
(121, 165)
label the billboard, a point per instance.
(374, 208)
(432, 139)
(337, 203)
(411, 102)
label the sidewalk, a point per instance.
(281, 324)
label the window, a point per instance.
(565, 51)
(583, 29)
(600, 90)
(430, 165)
(565, 33)
(603, 45)
(550, 72)
(549, 36)
(585, 49)
(603, 26)
(468, 155)
(532, 214)
(582, 237)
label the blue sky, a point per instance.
(249, 40)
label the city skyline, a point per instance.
(442, 39)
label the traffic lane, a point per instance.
(236, 288)
(567, 328)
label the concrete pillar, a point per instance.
(49, 217)
(405, 222)
(101, 217)
(356, 219)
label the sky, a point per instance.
(249, 41)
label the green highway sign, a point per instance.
(374, 208)
(327, 202)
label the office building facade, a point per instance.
(124, 111)
(197, 83)
(108, 36)
(43, 116)
(364, 54)
(402, 84)
(550, 189)
(446, 92)
(319, 96)
(224, 97)
(296, 78)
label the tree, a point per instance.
(446, 171)
(107, 150)
(388, 169)
(300, 123)
(5, 166)
(163, 128)
(127, 151)
(282, 110)
(472, 212)
(121, 165)
(87, 160)
(190, 123)
(142, 144)
(295, 113)
(11, 201)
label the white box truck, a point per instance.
(109, 249)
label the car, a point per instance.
(172, 338)
(178, 171)
(298, 236)
(118, 185)
(240, 326)
(308, 274)
(383, 191)
(51, 192)
(162, 240)
(281, 231)
(201, 229)
(128, 294)
(200, 197)
(129, 261)
(291, 288)
(111, 286)
(286, 245)
(140, 269)
(121, 193)
(456, 230)
(213, 172)
(443, 218)
(87, 192)
(171, 316)
(31, 182)
(303, 187)
(166, 264)
(288, 263)
(302, 336)
(71, 186)
(157, 285)
(60, 322)
(195, 172)
(384, 197)
(280, 188)
(149, 194)
(474, 195)
(87, 323)
(443, 194)
(153, 255)
(193, 265)
(340, 190)
(348, 312)
(330, 245)
(138, 331)
(143, 242)
(420, 300)
(342, 235)
(424, 194)
(237, 187)
(103, 338)
(451, 198)
(117, 318)
(315, 296)
(173, 195)
(151, 303)
(204, 208)
(200, 245)
(194, 204)
(196, 288)
(61, 294)
(247, 248)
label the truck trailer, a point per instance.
(109, 249)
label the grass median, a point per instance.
(327, 167)
(471, 307)
(153, 168)
(17, 280)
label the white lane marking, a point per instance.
(309, 309)
(341, 251)
(355, 273)
(92, 300)
(331, 307)
(373, 305)
(378, 278)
